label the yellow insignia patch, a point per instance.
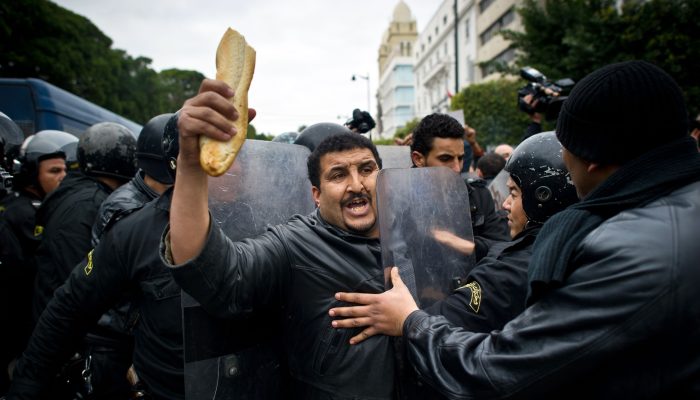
(475, 289)
(2, 209)
(38, 230)
(88, 267)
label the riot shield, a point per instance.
(499, 189)
(395, 156)
(241, 359)
(425, 229)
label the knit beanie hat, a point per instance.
(620, 112)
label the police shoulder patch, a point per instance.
(88, 266)
(475, 290)
(38, 230)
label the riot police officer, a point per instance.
(495, 290)
(110, 344)
(64, 221)
(43, 166)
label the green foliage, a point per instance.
(491, 108)
(406, 129)
(573, 38)
(43, 40)
(386, 142)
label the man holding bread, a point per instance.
(293, 270)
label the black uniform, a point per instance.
(495, 289)
(17, 246)
(126, 260)
(65, 222)
(110, 345)
(488, 225)
(494, 293)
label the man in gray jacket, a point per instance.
(613, 279)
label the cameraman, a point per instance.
(541, 98)
(361, 122)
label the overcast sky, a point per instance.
(307, 50)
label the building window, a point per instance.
(430, 39)
(484, 4)
(436, 30)
(497, 26)
(466, 28)
(422, 47)
(444, 20)
(505, 57)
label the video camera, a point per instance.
(361, 121)
(547, 96)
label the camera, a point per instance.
(547, 96)
(361, 121)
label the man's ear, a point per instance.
(600, 171)
(316, 193)
(418, 159)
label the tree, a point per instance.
(43, 40)
(573, 38)
(492, 110)
(408, 127)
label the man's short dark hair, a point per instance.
(490, 165)
(334, 144)
(432, 126)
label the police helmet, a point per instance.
(171, 145)
(11, 138)
(35, 149)
(536, 166)
(314, 134)
(286, 137)
(108, 149)
(68, 144)
(150, 154)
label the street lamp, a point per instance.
(365, 77)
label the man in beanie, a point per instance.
(612, 305)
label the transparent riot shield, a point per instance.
(395, 156)
(425, 229)
(241, 359)
(499, 189)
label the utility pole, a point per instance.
(365, 77)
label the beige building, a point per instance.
(460, 35)
(395, 93)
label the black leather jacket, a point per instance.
(625, 324)
(298, 267)
(125, 199)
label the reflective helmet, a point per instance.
(35, 149)
(313, 135)
(68, 144)
(171, 145)
(536, 166)
(11, 138)
(286, 137)
(150, 154)
(108, 149)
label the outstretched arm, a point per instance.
(211, 114)
(382, 313)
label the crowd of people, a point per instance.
(581, 287)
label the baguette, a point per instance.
(235, 64)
